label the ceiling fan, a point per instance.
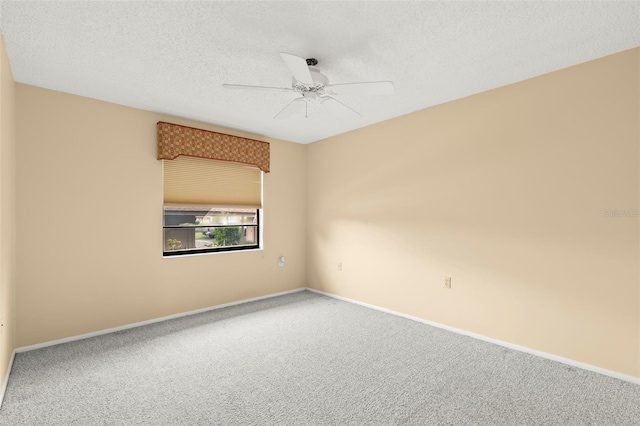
(313, 86)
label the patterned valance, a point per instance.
(175, 140)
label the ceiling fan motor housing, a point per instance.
(319, 81)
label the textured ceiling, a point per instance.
(173, 57)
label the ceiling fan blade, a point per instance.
(298, 68)
(341, 107)
(295, 106)
(363, 88)
(245, 87)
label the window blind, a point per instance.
(201, 181)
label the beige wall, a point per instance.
(89, 198)
(7, 211)
(506, 193)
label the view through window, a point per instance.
(209, 229)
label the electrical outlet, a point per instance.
(447, 282)
(339, 266)
(281, 261)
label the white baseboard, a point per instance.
(152, 321)
(5, 382)
(552, 357)
(568, 361)
(126, 327)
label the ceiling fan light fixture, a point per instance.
(314, 86)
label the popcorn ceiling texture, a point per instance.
(172, 57)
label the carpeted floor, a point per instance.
(304, 359)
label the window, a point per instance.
(196, 230)
(210, 206)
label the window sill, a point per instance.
(213, 253)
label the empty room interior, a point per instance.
(488, 187)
